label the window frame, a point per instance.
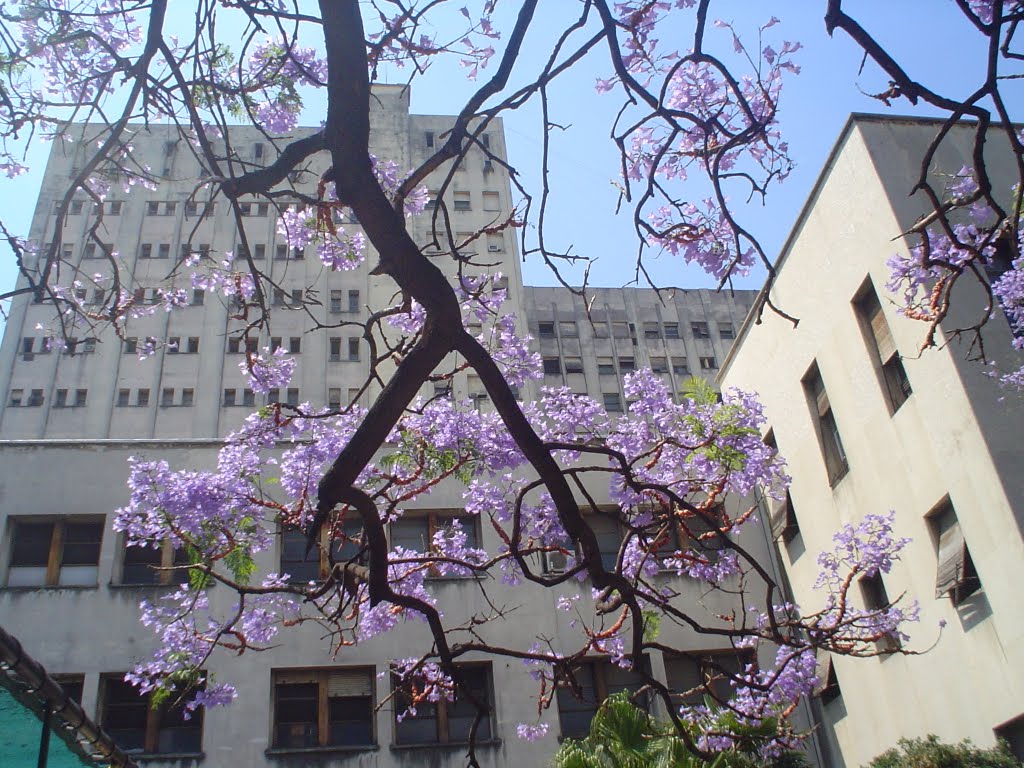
(597, 669)
(830, 441)
(169, 558)
(436, 521)
(56, 550)
(443, 712)
(323, 676)
(964, 581)
(154, 723)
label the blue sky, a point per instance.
(937, 49)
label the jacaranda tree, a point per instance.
(697, 127)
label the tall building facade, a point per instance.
(869, 424)
(70, 419)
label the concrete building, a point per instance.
(69, 420)
(868, 424)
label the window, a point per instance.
(257, 151)
(700, 330)
(353, 301)
(726, 331)
(167, 397)
(872, 589)
(188, 396)
(567, 329)
(173, 345)
(335, 301)
(91, 251)
(609, 539)
(693, 676)
(606, 366)
(234, 346)
(552, 366)
(198, 296)
(137, 726)
(612, 401)
(259, 251)
(323, 708)
(297, 296)
(229, 397)
(880, 342)
(35, 398)
(671, 330)
(492, 202)
(60, 399)
(80, 397)
(708, 362)
(828, 689)
(651, 330)
(273, 395)
(16, 399)
(573, 365)
(249, 398)
(146, 251)
(123, 396)
(154, 565)
(303, 567)
(292, 396)
(428, 137)
(447, 722)
(463, 201)
(659, 365)
(353, 349)
(334, 346)
(131, 345)
(295, 345)
(334, 398)
(76, 207)
(142, 399)
(620, 330)
(192, 346)
(58, 552)
(416, 532)
(626, 365)
(546, 329)
(152, 208)
(597, 680)
(828, 432)
(956, 575)
(280, 252)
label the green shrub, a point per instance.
(929, 752)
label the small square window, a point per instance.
(57, 552)
(552, 366)
(612, 402)
(136, 726)
(324, 708)
(700, 330)
(671, 330)
(446, 722)
(546, 329)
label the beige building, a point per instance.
(869, 424)
(69, 420)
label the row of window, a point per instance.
(610, 366)
(336, 707)
(65, 551)
(567, 329)
(169, 397)
(154, 208)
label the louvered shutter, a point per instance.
(779, 516)
(883, 338)
(348, 683)
(952, 554)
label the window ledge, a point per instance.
(49, 587)
(161, 756)
(288, 751)
(120, 585)
(446, 745)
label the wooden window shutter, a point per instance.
(883, 337)
(780, 516)
(952, 555)
(349, 683)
